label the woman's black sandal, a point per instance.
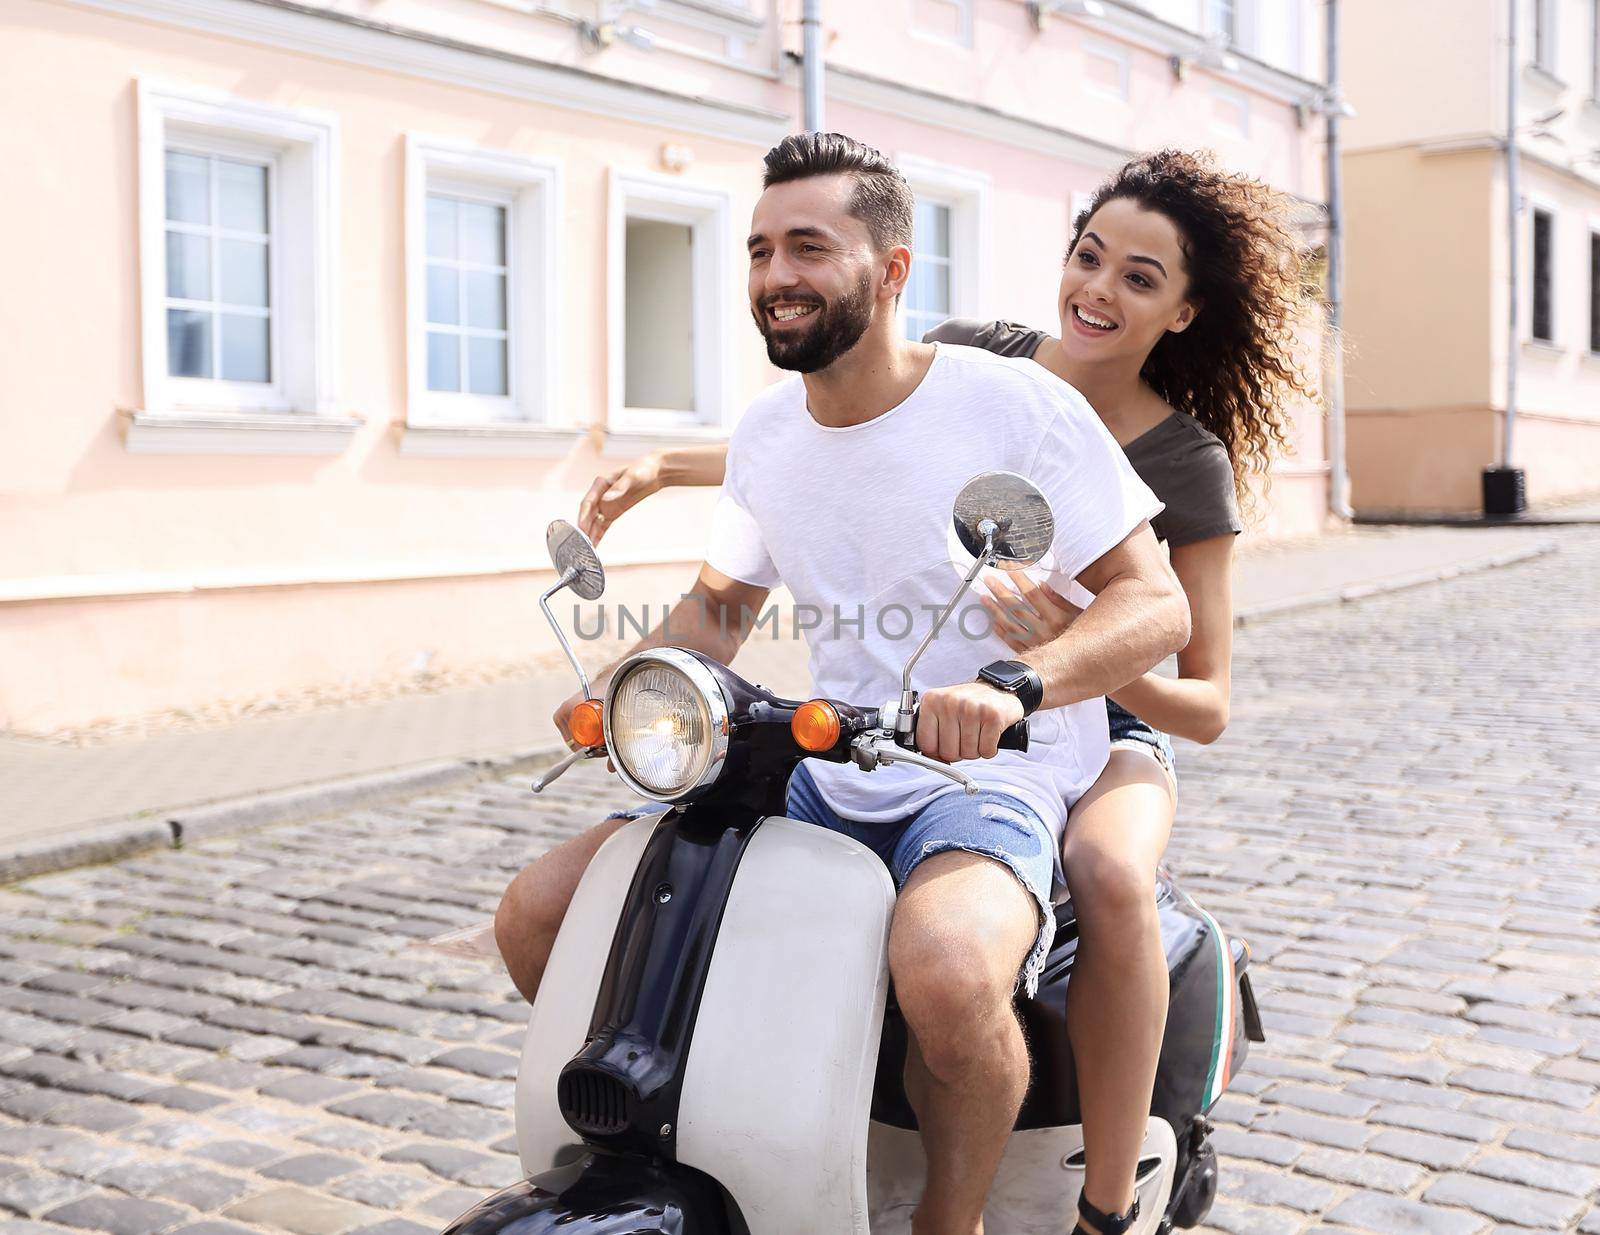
(1107, 1224)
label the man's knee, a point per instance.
(954, 989)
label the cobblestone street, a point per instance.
(256, 1034)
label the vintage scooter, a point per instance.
(713, 1050)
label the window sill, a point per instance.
(239, 433)
(632, 443)
(1544, 77)
(1545, 346)
(497, 441)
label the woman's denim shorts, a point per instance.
(1130, 733)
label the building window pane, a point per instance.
(444, 361)
(188, 267)
(1543, 246)
(1594, 291)
(1223, 18)
(244, 347)
(188, 343)
(219, 255)
(1544, 35)
(658, 324)
(1594, 49)
(486, 365)
(244, 273)
(188, 193)
(468, 337)
(242, 196)
(928, 294)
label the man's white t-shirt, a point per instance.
(856, 523)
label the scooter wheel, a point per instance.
(1199, 1189)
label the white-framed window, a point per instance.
(481, 282)
(1222, 17)
(237, 209)
(1594, 288)
(1107, 70)
(1542, 316)
(1546, 36)
(1230, 112)
(949, 21)
(1594, 50)
(929, 297)
(667, 305)
(950, 245)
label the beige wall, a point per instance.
(1420, 70)
(132, 583)
(1417, 318)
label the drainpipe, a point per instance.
(1338, 477)
(1505, 487)
(811, 63)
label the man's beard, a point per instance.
(834, 328)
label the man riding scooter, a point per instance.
(880, 422)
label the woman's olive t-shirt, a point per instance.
(1183, 463)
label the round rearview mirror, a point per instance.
(571, 550)
(1023, 526)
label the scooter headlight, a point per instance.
(666, 724)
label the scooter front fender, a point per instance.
(601, 1194)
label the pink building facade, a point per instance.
(318, 314)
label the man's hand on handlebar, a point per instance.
(965, 721)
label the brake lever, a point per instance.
(588, 752)
(873, 750)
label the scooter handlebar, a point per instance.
(1013, 737)
(1016, 736)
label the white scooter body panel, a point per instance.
(559, 1025)
(777, 1089)
(1035, 1190)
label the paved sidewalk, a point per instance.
(60, 805)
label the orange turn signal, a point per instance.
(587, 724)
(815, 726)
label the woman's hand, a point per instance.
(1026, 614)
(616, 492)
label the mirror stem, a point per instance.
(571, 573)
(908, 697)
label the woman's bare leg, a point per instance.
(1117, 1001)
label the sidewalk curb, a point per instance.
(172, 828)
(1396, 583)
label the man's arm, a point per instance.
(711, 618)
(1138, 617)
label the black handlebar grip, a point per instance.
(1016, 736)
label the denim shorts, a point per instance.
(993, 825)
(1130, 733)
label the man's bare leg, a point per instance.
(532, 908)
(963, 926)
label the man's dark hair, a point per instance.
(882, 199)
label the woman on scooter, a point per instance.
(1178, 302)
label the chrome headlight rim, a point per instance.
(711, 693)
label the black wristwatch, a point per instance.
(1016, 678)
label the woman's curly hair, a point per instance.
(1236, 368)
